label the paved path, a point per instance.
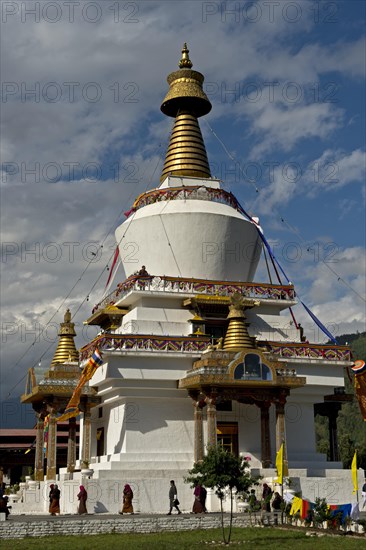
(75, 517)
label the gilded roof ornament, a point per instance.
(67, 316)
(66, 349)
(186, 102)
(185, 62)
(237, 336)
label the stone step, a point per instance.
(146, 469)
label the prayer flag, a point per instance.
(319, 324)
(45, 433)
(112, 272)
(306, 507)
(359, 370)
(359, 367)
(274, 260)
(279, 465)
(31, 447)
(91, 366)
(296, 506)
(354, 473)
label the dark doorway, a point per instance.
(100, 441)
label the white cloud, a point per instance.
(332, 171)
(335, 169)
(283, 126)
(336, 295)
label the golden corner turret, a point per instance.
(237, 337)
(186, 102)
(66, 350)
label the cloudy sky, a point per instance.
(82, 134)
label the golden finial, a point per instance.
(185, 62)
(186, 102)
(66, 349)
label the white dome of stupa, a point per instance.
(188, 227)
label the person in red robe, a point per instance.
(197, 504)
(127, 507)
(82, 497)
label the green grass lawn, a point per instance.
(249, 538)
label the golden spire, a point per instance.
(237, 337)
(186, 102)
(66, 350)
(185, 62)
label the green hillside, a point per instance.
(351, 426)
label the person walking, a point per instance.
(277, 502)
(266, 496)
(4, 507)
(197, 504)
(254, 505)
(127, 507)
(82, 497)
(173, 500)
(54, 496)
(277, 506)
(203, 497)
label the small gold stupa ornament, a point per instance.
(66, 349)
(237, 337)
(186, 102)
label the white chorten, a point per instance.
(194, 351)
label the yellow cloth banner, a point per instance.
(296, 506)
(87, 374)
(279, 466)
(354, 473)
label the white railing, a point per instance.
(196, 286)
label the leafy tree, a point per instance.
(322, 435)
(351, 426)
(222, 471)
(321, 511)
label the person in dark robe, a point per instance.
(143, 272)
(50, 496)
(82, 497)
(144, 278)
(203, 498)
(54, 496)
(197, 504)
(254, 505)
(266, 496)
(127, 507)
(277, 502)
(277, 506)
(4, 508)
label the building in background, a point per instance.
(18, 450)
